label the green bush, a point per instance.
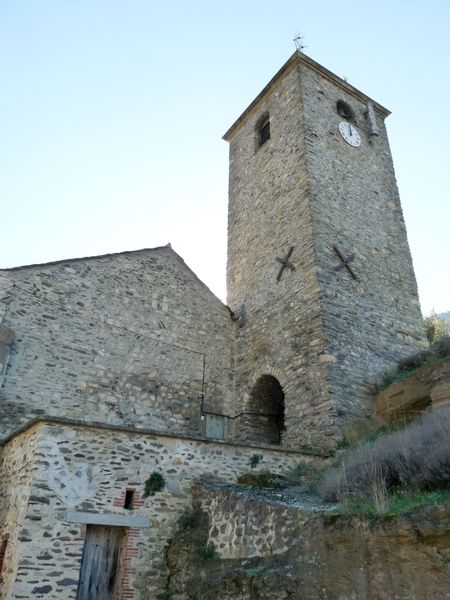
(188, 519)
(304, 475)
(435, 327)
(256, 572)
(155, 483)
(397, 503)
(206, 552)
(441, 347)
(255, 459)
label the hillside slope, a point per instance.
(269, 550)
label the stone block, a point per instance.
(440, 394)
(110, 520)
(408, 398)
(6, 335)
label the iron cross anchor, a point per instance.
(285, 263)
(345, 262)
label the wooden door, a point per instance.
(100, 563)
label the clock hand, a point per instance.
(350, 130)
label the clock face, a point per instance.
(349, 133)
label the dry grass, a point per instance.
(438, 351)
(414, 458)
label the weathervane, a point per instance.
(299, 44)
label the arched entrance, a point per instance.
(265, 422)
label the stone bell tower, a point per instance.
(319, 275)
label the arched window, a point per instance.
(263, 130)
(266, 411)
(344, 110)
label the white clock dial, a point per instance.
(349, 133)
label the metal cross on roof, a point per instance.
(345, 262)
(285, 263)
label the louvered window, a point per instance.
(264, 131)
(345, 111)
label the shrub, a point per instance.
(255, 459)
(439, 349)
(263, 479)
(206, 552)
(416, 457)
(397, 503)
(155, 483)
(413, 362)
(298, 473)
(435, 327)
(256, 572)
(188, 519)
(306, 475)
(388, 378)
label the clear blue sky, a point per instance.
(112, 112)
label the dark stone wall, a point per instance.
(371, 322)
(325, 336)
(269, 212)
(129, 339)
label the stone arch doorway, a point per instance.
(265, 417)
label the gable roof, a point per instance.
(168, 248)
(85, 258)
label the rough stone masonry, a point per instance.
(116, 367)
(323, 334)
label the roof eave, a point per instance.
(298, 58)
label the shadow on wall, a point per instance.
(264, 421)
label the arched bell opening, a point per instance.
(265, 422)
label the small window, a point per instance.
(3, 546)
(345, 111)
(264, 131)
(129, 500)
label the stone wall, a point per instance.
(240, 527)
(80, 474)
(267, 549)
(132, 338)
(325, 336)
(372, 322)
(18, 461)
(269, 212)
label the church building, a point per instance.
(117, 367)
